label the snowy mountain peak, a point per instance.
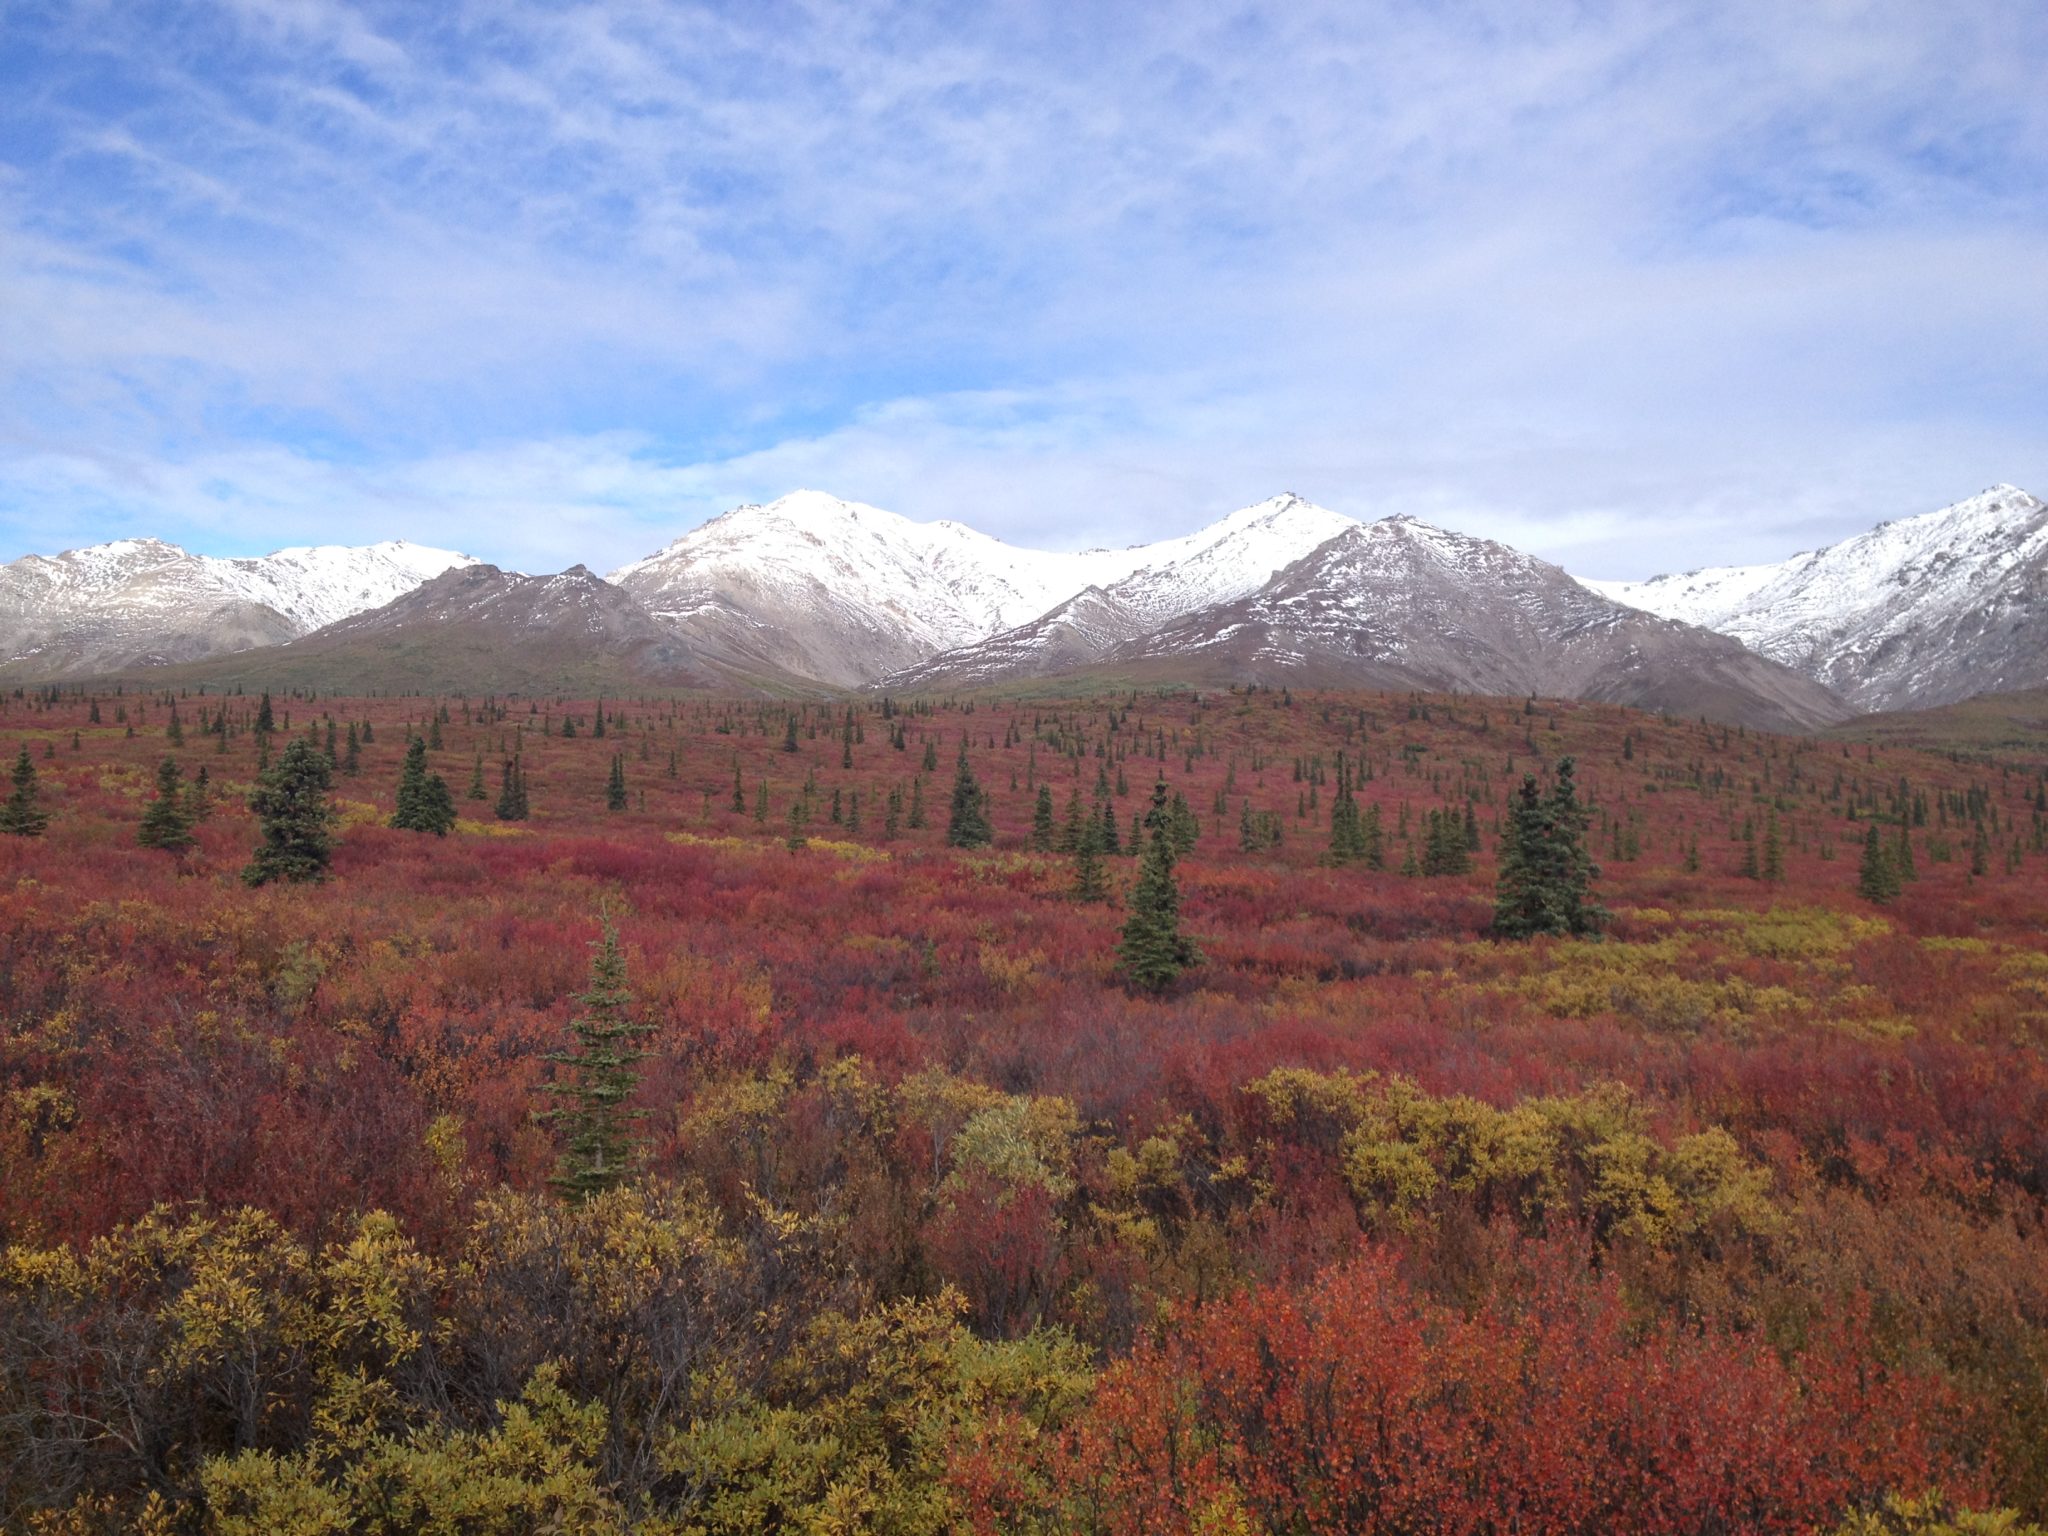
(144, 600)
(1919, 610)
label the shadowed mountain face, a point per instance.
(1401, 605)
(480, 629)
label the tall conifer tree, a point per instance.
(424, 803)
(290, 802)
(1546, 875)
(601, 1073)
(23, 815)
(167, 822)
(1153, 950)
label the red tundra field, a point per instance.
(1726, 1217)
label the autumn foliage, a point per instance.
(1727, 1217)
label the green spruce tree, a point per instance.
(1877, 877)
(424, 803)
(1089, 885)
(967, 824)
(290, 802)
(167, 822)
(1153, 951)
(1774, 851)
(512, 804)
(1546, 875)
(598, 1078)
(23, 815)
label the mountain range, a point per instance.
(1922, 611)
(811, 592)
(142, 602)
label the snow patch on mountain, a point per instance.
(1923, 610)
(135, 601)
(849, 593)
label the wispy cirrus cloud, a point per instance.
(563, 280)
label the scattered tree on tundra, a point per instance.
(1546, 876)
(291, 806)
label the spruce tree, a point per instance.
(512, 804)
(1443, 844)
(476, 778)
(1347, 830)
(1774, 850)
(967, 825)
(615, 785)
(1069, 836)
(1043, 829)
(1181, 826)
(1373, 838)
(1546, 875)
(599, 1077)
(1153, 950)
(424, 803)
(1877, 878)
(1105, 825)
(167, 823)
(290, 802)
(266, 722)
(23, 814)
(1088, 882)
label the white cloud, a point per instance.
(560, 281)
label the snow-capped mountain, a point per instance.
(841, 592)
(849, 594)
(846, 594)
(1230, 558)
(1399, 604)
(1914, 613)
(811, 590)
(145, 602)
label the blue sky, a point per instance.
(1633, 286)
